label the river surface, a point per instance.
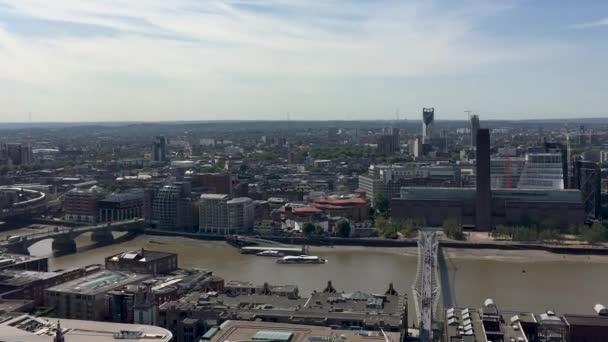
(516, 280)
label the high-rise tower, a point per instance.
(474, 128)
(428, 117)
(484, 195)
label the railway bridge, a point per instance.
(64, 237)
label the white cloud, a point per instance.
(209, 45)
(591, 24)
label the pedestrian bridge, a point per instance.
(64, 237)
(427, 284)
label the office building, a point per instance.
(16, 154)
(505, 172)
(26, 328)
(212, 183)
(388, 141)
(82, 205)
(240, 214)
(482, 175)
(30, 285)
(603, 157)
(474, 127)
(84, 298)
(142, 261)
(213, 214)
(388, 179)
(542, 171)
(428, 117)
(121, 206)
(415, 147)
(555, 147)
(172, 207)
(587, 178)
(159, 149)
(218, 214)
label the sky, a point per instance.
(156, 60)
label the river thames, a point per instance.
(516, 280)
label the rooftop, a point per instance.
(27, 328)
(587, 320)
(142, 255)
(214, 197)
(7, 259)
(266, 331)
(99, 282)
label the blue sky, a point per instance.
(69, 60)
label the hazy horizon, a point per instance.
(186, 60)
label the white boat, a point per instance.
(270, 253)
(301, 259)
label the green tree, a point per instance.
(308, 229)
(381, 203)
(381, 225)
(344, 229)
(453, 229)
(319, 231)
(594, 234)
(405, 227)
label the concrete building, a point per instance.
(483, 215)
(82, 205)
(218, 214)
(84, 298)
(142, 261)
(26, 328)
(19, 284)
(23, 262)
(280, 332)
(121, 206)
(159, 149)
(172, 208)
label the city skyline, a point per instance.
(317, 60)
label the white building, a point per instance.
(218, 214)
(542, 171)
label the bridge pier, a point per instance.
(102, 236)
(64, 244)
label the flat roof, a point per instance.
(247, 331)
(587, 320)
(26, 328)
(99, 282)
(214, 196)
(142, 255)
